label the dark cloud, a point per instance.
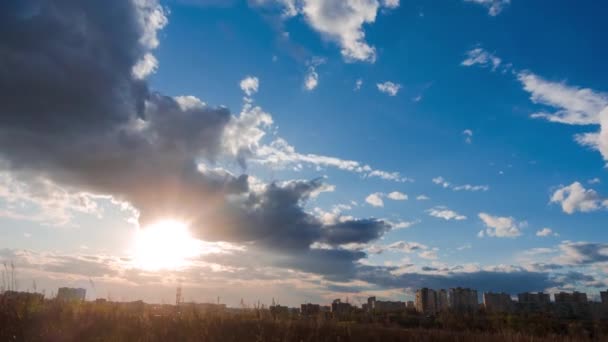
(72, 111)
(585, 252)
(509, 282)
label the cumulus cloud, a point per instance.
(375, 199)
(389, 88)
(483, 58)
(546, 232)
(583, 253)
(497, 226)
(107, 134)
(422, 198)
(575, 197)
(494, 6)
(445, 213)
(250, 85)
(464, 187)
(397, 196)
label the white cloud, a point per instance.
(546, 232)
(481, 57)
(445, 213)
(391, 3)
(342, 22)
(494, 6)
(576, 106)
(465, 187)
(389, 88)
(311, 80)
(145, 66)
(375, 199)
(189, 102)
(40, 200)
(429, 255)
(422, 198)
(497, 226)
(575, 197)
(397, 196)
(358, 84)
(280, 154)
(250, 85)
(468, 136)
(402, 224)
(594, 181)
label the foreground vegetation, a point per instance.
(44, 320)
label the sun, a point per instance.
(165, 245)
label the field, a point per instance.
(56, 321)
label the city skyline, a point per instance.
(305, 150)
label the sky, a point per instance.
(303, 150)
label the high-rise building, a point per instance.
(604, 296)
(442, 300)
(426, 300)
(570, 298)
(71, 294)
(534, 298)
(463, 299)
(497, 302)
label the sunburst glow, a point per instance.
(166, 245)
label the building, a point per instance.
(463, 299)
(442, 301)
(410, 305)
(340, 308)
(309, 310)
(497, 302)
(570, 298)
(529, 302)
(534, 298)
(426, 301)
(70, 294)
(604, 296)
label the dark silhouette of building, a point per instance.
(70, 294)
(497, 302)
(426, 301)
(463, 299)
(604, 296)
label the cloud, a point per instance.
(583, 253)
(594, 181)
(500, 227)
(375, 199)
(280, 154)
(465, 187)
(546, 232)
(250, 85)
(468, 136)
(481, 57)
(575, 197)
(389, 88)
(576, 106)
(397, 196)
(358, 84)
(494, 6)
(445, 213)
(343, 22)
(422, 198)
(311, 80)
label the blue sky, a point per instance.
(460, 143)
